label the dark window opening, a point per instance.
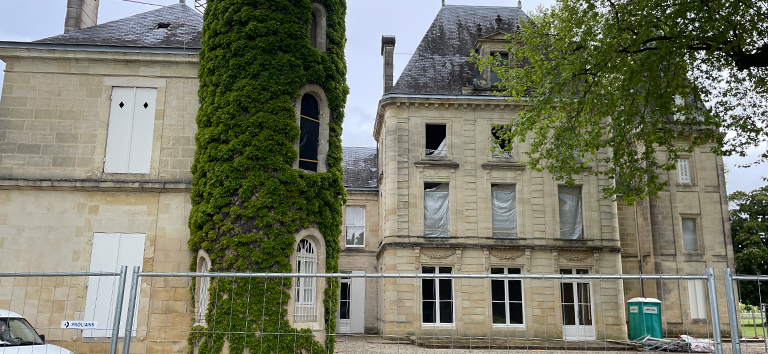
(502, 146)
(162, 25)
(310, 132)
(435, 140)
(504, 57)
(313, 31)
(437, 297)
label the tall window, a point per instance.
(313, 31)
(697, 299)
(436, 209)
(437, 297)
(131, 125)
(355, 226)
(202, 292)
(690, 240)
(310, 131)
(507, 298)
(435, 140)
(504, 207)
(571, 213)
(504, 57)
(684, 170)
(499, 142)
(306, 263)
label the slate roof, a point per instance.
(361, 167)
(185, 31)
(439, 64)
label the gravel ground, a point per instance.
(374, 345)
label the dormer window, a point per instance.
(504, 57)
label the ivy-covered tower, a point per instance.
(267, 176)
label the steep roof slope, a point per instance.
(439, 64)
(141, 30)
(361, 167)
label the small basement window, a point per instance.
(435, 140)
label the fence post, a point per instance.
(712, 294)
(132, 307)
(118, 310)
(732, 314)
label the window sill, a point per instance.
(520, 326)
(439, 325)
(437, 163)
(501, 164)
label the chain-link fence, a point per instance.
(434, 311)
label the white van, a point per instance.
(18, 337)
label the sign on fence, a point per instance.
(79, 324)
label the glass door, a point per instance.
(576, 299)
(344, 321)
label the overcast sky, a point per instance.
(367, 20)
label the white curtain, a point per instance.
(436, 222)
(355, 226)
(504, 211)
(571, 214)
(441, 150)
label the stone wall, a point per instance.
(55, 107)
(52, 231)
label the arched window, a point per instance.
(306, 263)
(317, 28)
(313, 31)
(201, 306)
(310, 131)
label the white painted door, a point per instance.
(352, 305)
(111, 251)
(576, 299)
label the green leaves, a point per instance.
(247, 200)
(625, 87)
(749, 228)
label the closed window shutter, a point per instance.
(110, 251)
(683, 167)
(118, 132)
(143, 127)
(131, 126)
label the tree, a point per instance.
(640, 82)
(248, 202)
(749, 228)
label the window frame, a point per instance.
(507, 300)
(495, 147)
(347, 225)
(681, 178)
(446, 139)
(321, 29)
(424, 210)
(583, 214)
(517, 225)
(301, 286)
(493, 74)
(437, 299)
(324, 129)
(695, 220)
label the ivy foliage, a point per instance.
(629, 86)
(247, 200)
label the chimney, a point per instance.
(388, 52)
(81, 14)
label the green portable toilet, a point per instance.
(644, 317)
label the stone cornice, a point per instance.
(522, 247)
(19, 50)
(95, 185)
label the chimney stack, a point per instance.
(388, 52)
(81, 14)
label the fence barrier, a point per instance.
(435, 310)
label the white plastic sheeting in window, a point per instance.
(436, 220)
(571, 213)
(503, 204)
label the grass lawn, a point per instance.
(749, 330)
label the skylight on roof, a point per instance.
(162, 25)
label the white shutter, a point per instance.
(357, 304)
(697, 299)
(131, 126)
(119, 130)
(142, 130)
(684, 170)
(109, 253)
